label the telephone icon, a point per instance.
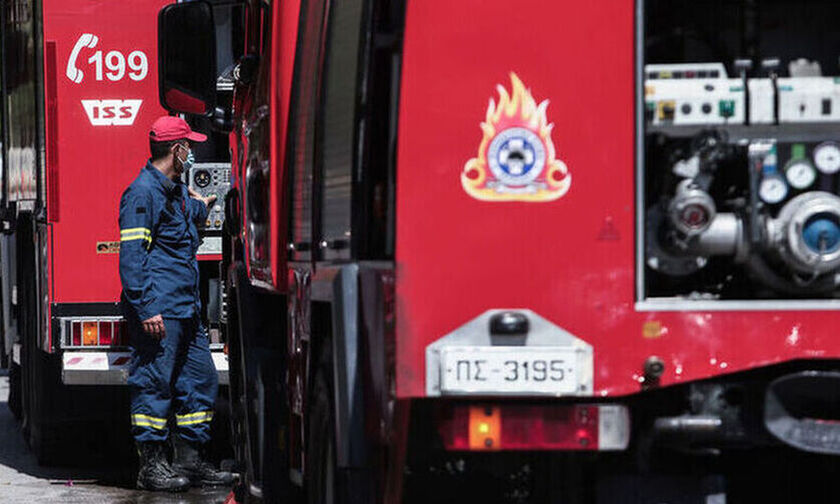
(85, 40)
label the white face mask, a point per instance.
(188, 162)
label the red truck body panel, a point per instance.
(88, 165)
(570, 259)
(285, 19)
(269, 272)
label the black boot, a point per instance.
(155, 472)
(191, 461)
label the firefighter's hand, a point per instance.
(207, 200)
(154, 327)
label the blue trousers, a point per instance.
(174, 375)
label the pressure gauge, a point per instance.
(772, 189)
(202, 178)
(827, 158)
(800, 173)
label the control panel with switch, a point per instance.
(211, 179)
(703, 94)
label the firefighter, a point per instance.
(171, 370)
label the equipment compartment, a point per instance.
(739, 163)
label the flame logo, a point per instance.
(516, 159)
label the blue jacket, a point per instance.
(158, 243)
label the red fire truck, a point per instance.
(79, 93)
(565, 251)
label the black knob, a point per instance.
(509, 323)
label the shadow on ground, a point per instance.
(22, 479)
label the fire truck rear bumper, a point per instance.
(111, 368)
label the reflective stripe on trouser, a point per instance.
(193, 418)
(140, 420)
(173, 377)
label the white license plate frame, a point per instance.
(487, 370)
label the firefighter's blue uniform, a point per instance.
(159, 273)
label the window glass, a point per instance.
(302, 122)
(339, 118)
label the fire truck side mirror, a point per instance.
(187, 58)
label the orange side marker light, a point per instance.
(90, 333)
(485, 428)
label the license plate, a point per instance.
(509, 370)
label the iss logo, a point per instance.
(112, 112)
(516, 157)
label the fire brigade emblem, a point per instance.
(516, 159)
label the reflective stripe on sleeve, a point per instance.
(140, 420)
(135, 230)
(194, 418)
(135, 234)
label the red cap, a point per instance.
(167, 128)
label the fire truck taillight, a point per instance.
(535, 427)
(120, 338)
(90, 333)
(77, 334)
(93, 332)
(106, 333)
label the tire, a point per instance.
(238, 403)
(43, 432)
(40, 372)
(320, 450)
(259, 412)
(242, 400)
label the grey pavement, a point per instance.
(22, 480)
